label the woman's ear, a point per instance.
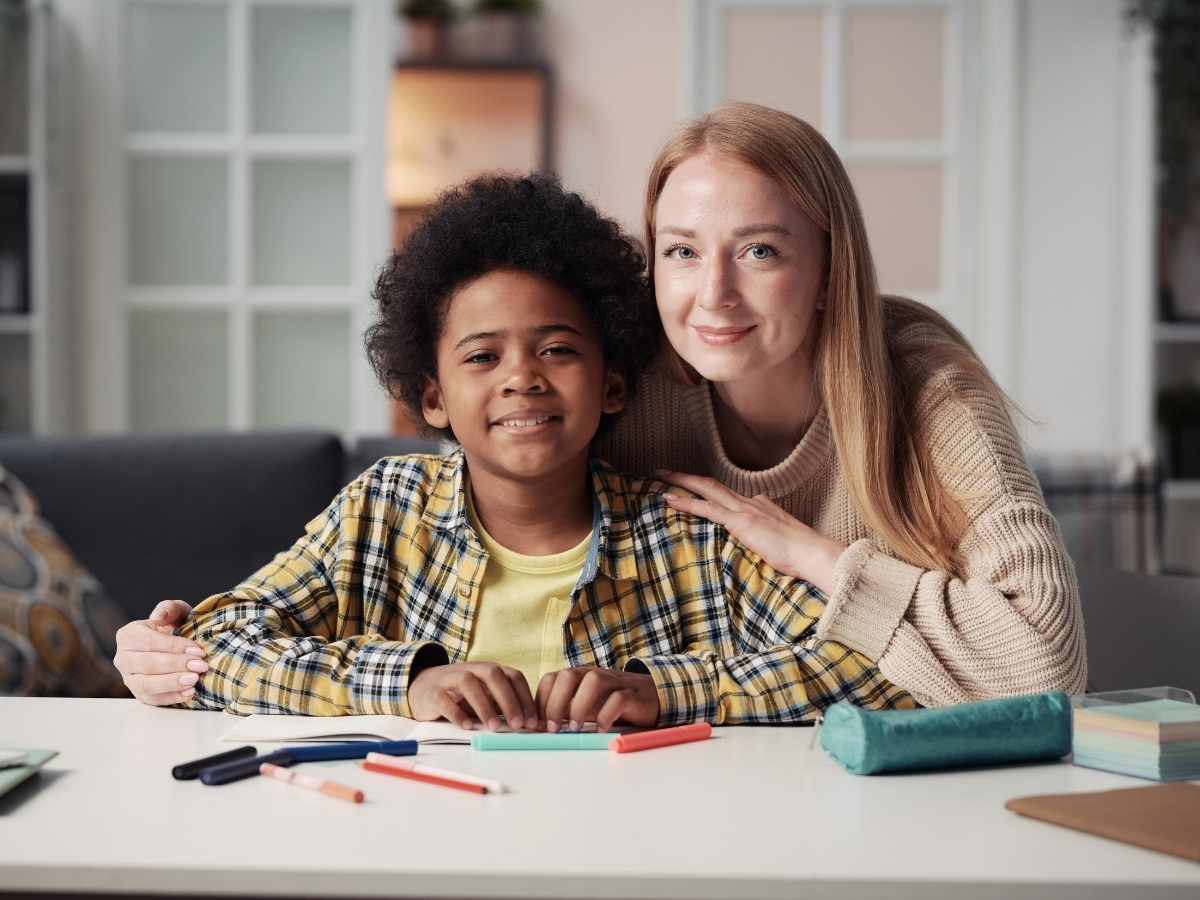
(615, 393)
(433, 409)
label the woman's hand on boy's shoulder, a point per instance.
(473, 693)
(591, 694)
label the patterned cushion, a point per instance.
(57, 625)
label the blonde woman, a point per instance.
(851, 439)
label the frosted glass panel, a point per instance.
(902, 204)
(176, 60)
(773, 57)
(302, 370)
(16, 407)
(301, 222)
(178, 370)
(894, 62)
(178, 221)
(300, 70)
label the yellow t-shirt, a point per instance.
(523, 602)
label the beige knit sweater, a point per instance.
(1013, 625)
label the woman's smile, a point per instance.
(721, 337)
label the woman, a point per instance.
(852, 440)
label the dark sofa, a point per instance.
(186, 515)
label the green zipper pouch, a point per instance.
(989, 732)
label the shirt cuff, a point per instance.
(871, 593)
(381, 676)
(686, 686)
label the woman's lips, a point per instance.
(721, 337)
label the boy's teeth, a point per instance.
(525, 423)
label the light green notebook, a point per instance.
(17, 765)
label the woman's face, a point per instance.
(738, 270)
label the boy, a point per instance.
(515, 319)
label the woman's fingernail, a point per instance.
(194, 651)
(188, 694)
(197, 665)
(189, 679)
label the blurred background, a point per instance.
(195, 196)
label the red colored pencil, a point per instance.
(428, 779)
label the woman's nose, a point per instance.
(717, 289)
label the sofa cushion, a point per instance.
(177, 515)
(57, 624)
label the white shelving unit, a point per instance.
(252, 212)
(36, 346)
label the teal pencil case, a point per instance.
(989, 732)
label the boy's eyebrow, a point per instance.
(744, 231)
(538, 329)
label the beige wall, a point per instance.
(620, 71)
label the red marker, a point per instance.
(662, 737)
(412, 775)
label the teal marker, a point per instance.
(520, 741)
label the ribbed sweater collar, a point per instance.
(807, 459)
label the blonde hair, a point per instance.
(864, 338)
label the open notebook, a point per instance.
(263, 729)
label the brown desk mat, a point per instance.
(1164, 817)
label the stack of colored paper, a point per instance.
(1158, 739)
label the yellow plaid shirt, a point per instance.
(392, 568)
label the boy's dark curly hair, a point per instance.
(529, 224)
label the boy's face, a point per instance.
(521, 376)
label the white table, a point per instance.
(751, 813)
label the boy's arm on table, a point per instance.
(273, 644)
(779, 680)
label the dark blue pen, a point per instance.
(349, 750)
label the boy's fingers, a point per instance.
(169, 698)
(145, 686)
(591, 694)
(477, 696)
(612, 710)
(504, 694)
(141, 635)
(529, 712)
(450, 709)
(542, 697)
(148, 662)
(558, 703)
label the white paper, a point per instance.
(264, 729)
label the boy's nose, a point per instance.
(524, 377)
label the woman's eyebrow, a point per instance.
(761, 228)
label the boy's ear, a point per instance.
(615, 393)
(432, 408)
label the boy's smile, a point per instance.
(521, 378)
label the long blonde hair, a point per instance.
(865, 340)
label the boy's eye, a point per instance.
(761, 252)
(483, 356)
(680, 251)
(559, 350)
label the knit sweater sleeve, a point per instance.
(1012, 624)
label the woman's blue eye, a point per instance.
(762, 252)
(681, 252)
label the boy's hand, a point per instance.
(603, 696)
(472, 693)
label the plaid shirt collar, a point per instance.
(613, 552)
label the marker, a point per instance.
(661, 737)
(350, 750)
(455, 783)
(243, 768)
(380, 759)
(189, 770)
(328, 788)
(537, 741)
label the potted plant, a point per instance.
(1179, 414)
(1176, 29)
(509, 29)
(428, 22)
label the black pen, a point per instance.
(189, 770)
